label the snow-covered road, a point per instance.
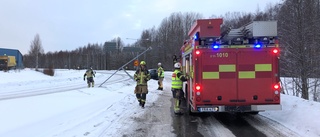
(112, 110)
(40, 87)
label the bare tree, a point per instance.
(171, 34)
(36, 49)
(299, 37)
(189, 19)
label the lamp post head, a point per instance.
(139, 39)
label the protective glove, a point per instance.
(137, 79)
(187, 76)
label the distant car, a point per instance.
(153, 74)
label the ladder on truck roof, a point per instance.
(263, 32)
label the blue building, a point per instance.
(13, 52)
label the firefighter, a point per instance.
(160, 76)
(90, 74)
(176, 87)
(142, 76)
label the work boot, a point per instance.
(142, 105)
(158, 88)
(88, 85)
(161, 88)
(178, 113)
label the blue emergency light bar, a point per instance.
(215, 46)
(257, 46)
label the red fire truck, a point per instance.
(233, 71)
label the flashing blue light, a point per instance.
(215, 46)
(258, 46)
(195, 37)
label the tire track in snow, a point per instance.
(210, 126)
(154, 120)
(56, 89)
(269, 127)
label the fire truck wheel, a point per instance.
(189, 107)
(189, 110)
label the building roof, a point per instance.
(12, 52)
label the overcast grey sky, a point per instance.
(69, 24)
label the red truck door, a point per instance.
(256, 75)
(219, 77)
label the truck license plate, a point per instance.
(206, 109)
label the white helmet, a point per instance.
(159, 64)
(177, 65)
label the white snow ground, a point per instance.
(80, 111)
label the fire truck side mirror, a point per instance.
(174, 57)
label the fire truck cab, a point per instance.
(233, 71)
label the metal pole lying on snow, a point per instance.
(125, 65)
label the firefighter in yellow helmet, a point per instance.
(142, 76)
(160, 76)
(176, 87)
(90, 74)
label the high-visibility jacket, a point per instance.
(176, 81)
(142, 77)
(160, 72)
(89, 73)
